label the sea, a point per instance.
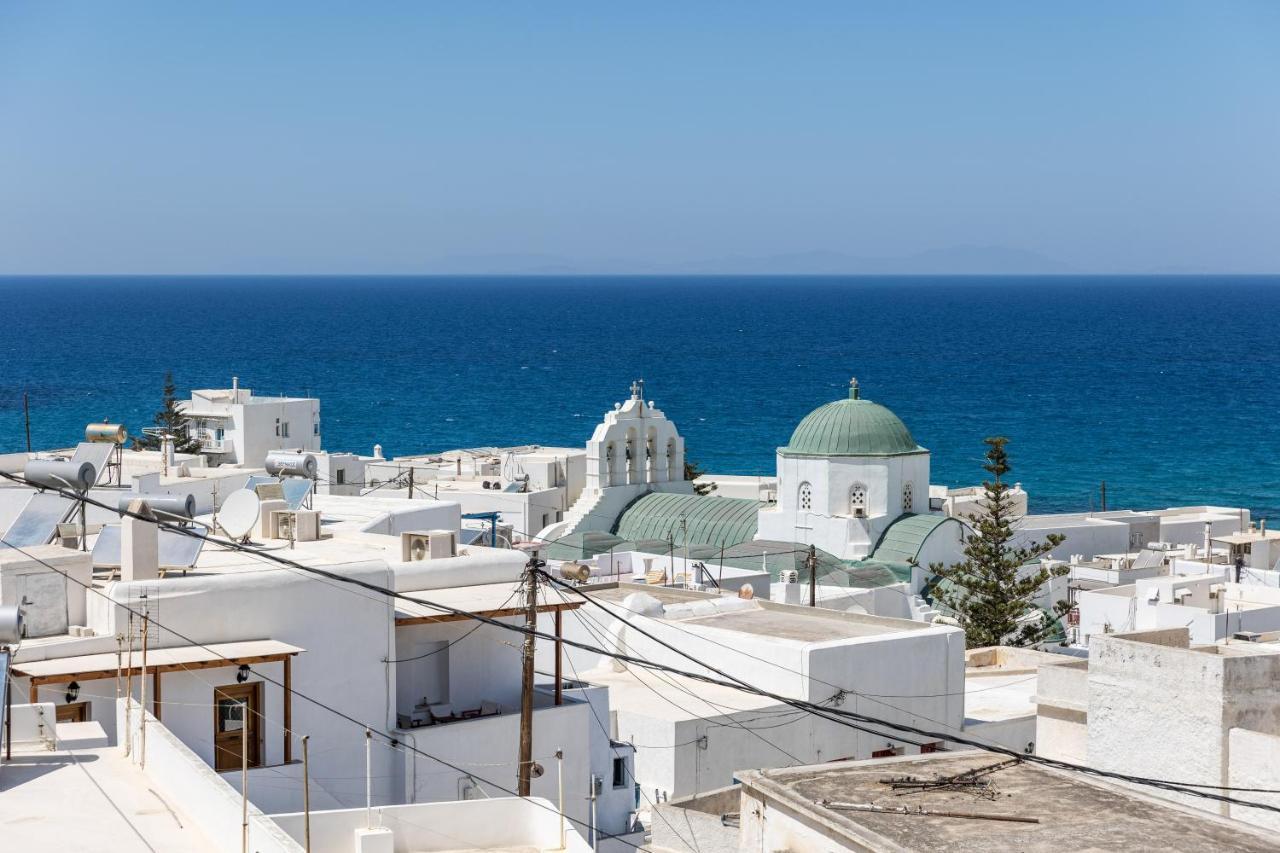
(1164, 388)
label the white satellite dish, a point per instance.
(239, 513)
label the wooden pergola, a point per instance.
(488, 601)
(106, 665)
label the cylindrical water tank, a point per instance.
(106, 432)
(180, 505)
(10, 625)
(58, 474)
(288, 463)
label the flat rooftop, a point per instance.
(671, 697)
(767, 618)
(1074, 813)
(90, 800)
(999, 696)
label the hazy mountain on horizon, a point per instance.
(957, 260)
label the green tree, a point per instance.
(693, 471)
(992, 592)
(170, 419)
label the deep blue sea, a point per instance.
(1163, 387)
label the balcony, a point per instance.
(435, 714)
(214, 445)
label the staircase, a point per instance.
(921, 610)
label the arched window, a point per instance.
(806, 496)
(858, 501)
(908, 498)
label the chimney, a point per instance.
(139, 544)
(235, 389)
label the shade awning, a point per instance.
(491, 601)
(108, 664)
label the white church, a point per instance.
(851, 481)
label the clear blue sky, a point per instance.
(381, 137)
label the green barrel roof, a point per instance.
(851, 427)
(707, 520)
(902, 540)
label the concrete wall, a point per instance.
(1255, 763)
(347, 634)
(1062, 728)
(485, 750)
(206, 798)
(501, 823)
(1135, 681)
(695, 825)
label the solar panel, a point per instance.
(96, 453)
(272, 491)
(39, 519)
(177, 551)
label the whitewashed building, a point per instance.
(236, 426)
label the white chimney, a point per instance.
(377, 451)
(235, 389)
(139, 544)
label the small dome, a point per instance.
(851, 427)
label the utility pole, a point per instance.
(142, 686)
(811, 561)
(306, 795)
(1104, 495)
(526, 679)
(410, 482)
(26, 414)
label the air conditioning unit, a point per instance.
(298, 525)
(417, 545)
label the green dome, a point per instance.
(852, 427)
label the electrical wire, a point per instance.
(850, 718)
(342, 714)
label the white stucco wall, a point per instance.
(347, 634)
(829, 522)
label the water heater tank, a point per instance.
(106, 432)
(58, 474)
(10, 625)
(183, 506)
(288, 463)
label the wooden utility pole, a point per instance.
(1104, 495)
(811, 561)
(526, 679)
(410, 482)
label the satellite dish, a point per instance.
(239, 513)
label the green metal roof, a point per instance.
(852, 427)
(903, 539)
(580, 546)
(707, 519)
(865, 574)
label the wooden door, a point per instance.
(234, 708)
(73, 712)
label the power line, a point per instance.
(395, 742)
(850, 718)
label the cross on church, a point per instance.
(853, 388)
(637, 389)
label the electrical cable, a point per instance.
(852, 719)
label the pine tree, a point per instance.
(693, 471)
(169, 419)
(990, 593)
